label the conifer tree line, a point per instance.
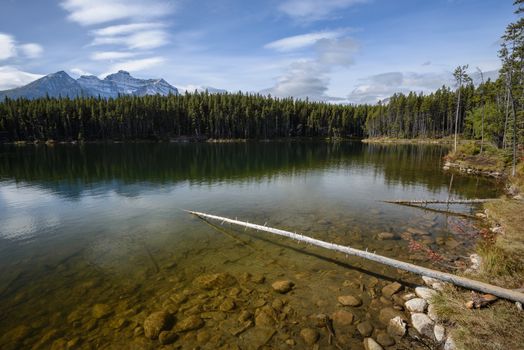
(493, 112)
(196, 115)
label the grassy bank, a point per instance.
(498, 326)
(394, 140)
(469, 158)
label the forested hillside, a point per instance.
(199, 115)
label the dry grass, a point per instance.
(497, 327)
(518, 180)
(501, 325)
(419, 140)
(504, 260)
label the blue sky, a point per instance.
(332, 50)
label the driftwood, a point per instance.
(441, 211)
(437, 201)
(419, 270)
(422, 204)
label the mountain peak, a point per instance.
(59, 74)
(60, 84)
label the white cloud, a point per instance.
(79, 71)
(90, 12)
(301, 41)
(31, 50)
(336, 51)
(310, 78)
(303, 79)
(7, 46)
(111, 55)
(122, 29)
(11, 77)
(381, 86)
(135, 65)
(312, 10)
(142, 40)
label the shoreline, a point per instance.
(184, 140)
(400, 141)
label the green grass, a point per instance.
(468, 155)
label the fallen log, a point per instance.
(419, 270)
(441, 211)
(438, 201)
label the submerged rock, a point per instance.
(371, 344)
(388, 313)
(17, 334)
(167, 337)
(227, 305)
(101, 311)
(365, 328)
(384, 339)
(155, 323)
(214, 281)
(397, 327)
(282, 286)
(342, 318)
(391, 289)
(264, 318)
(384, 236)
(189, 323)
(309, 335)
(349, 300)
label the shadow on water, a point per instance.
(69, 170)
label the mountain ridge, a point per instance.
(61, 84)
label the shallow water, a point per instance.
(82, 225)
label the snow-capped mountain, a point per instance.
(128, 85)
(54, 85)
(60, 84)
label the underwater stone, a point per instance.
(282, 286)
(349, 300)
(155, 323)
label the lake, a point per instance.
(93, 239)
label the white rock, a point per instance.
(423, 324)
(425, 293)
(432, 314)
(416, 305)
(518, 304)
(409, 296)
(429, 281)
(371, 344)
(476, 260)
(450, 344)
(440, 332)
(397, 326)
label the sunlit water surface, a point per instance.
(82, 225)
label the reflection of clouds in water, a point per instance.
(24, 211)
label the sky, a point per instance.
(346, 51)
